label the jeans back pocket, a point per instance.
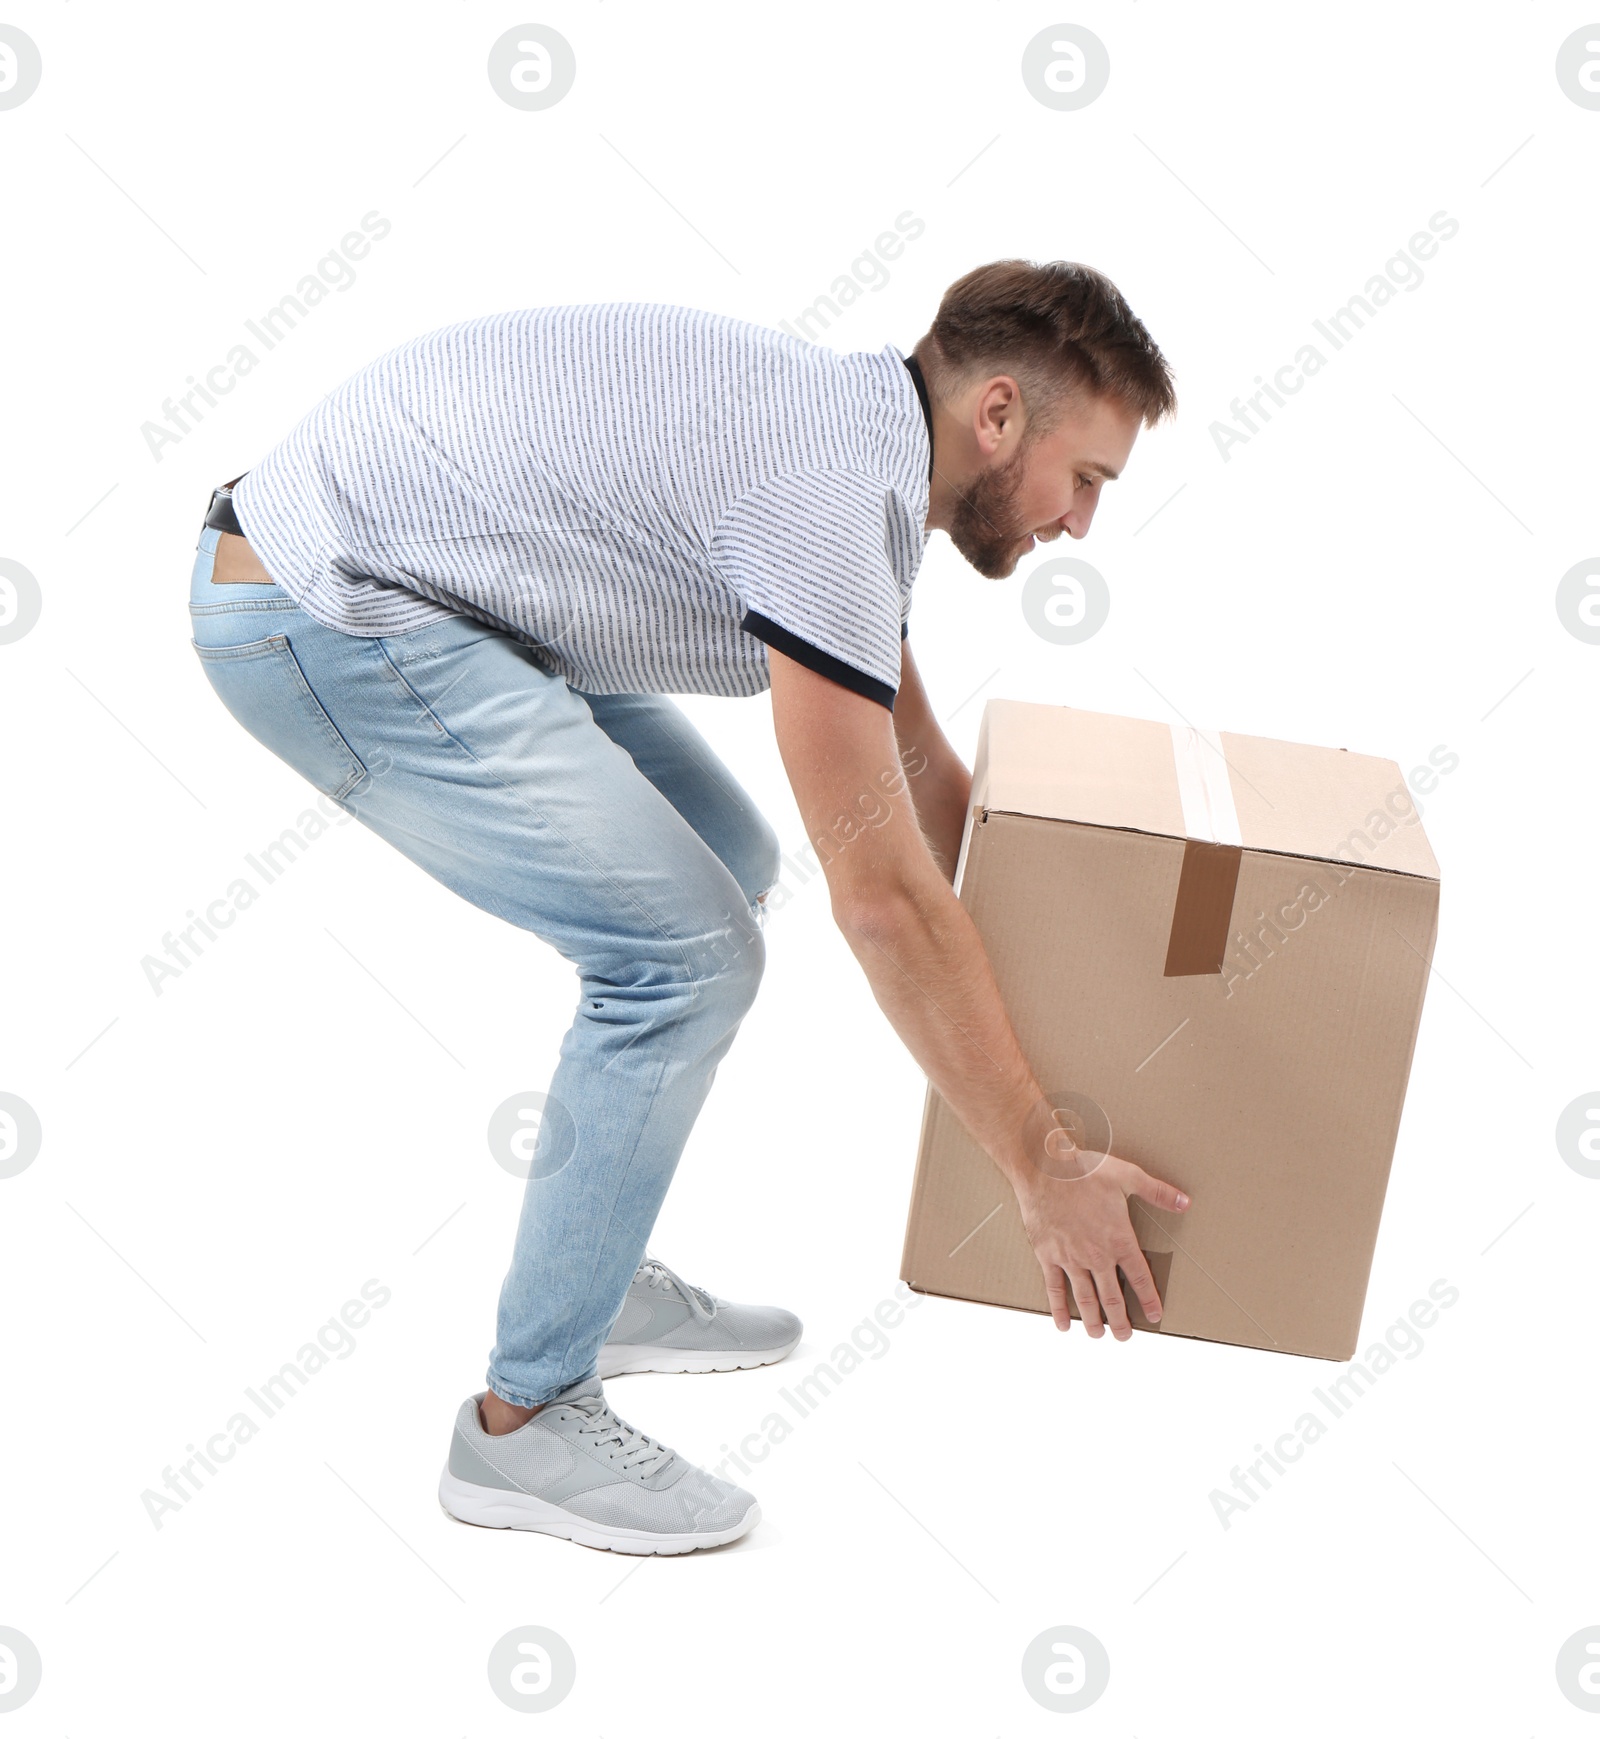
(262, 685)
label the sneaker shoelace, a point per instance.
(656, 1273)
(636, 1452)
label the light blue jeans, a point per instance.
(602, 823)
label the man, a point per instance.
(454, 598)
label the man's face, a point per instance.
(1048, 484)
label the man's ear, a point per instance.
(998, 407)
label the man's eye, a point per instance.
(1087, 482)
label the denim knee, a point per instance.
(705, 981)
(732, 968)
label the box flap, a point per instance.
(1062, 763)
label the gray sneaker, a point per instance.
(578, 1471)
(668, 1325)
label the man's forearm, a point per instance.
(940, 785)
(928, 970)
(941, 795)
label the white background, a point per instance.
(225, 1164)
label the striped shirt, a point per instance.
(646, 496)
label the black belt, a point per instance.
(220, 515)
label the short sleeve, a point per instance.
(807, 554)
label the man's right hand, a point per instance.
(1075, 1212)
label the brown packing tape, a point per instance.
(1202, 914)
(1160, 1267)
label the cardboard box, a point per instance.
(1214, 950)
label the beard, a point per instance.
(984, 525)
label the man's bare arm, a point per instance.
(929, 973)
(941, 785)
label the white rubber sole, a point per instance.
(619, 1361)
(488, 1507)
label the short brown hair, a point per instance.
(1061, 329)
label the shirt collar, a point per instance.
(914, 369)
